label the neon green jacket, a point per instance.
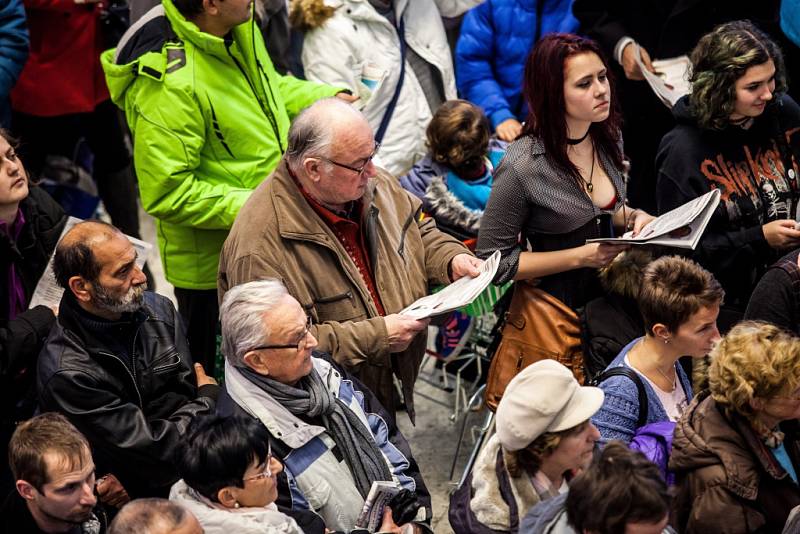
(209, 119)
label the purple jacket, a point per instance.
(655, 442)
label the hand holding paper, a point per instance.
(460, 293)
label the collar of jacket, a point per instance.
(85, 325)
(280, 422)
(188, 31)
(297, 220)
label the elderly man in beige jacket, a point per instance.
(349, 244)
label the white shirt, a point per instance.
(674, 402)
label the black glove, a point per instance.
(404, 507)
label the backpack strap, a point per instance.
(387, 115)
(637, 380)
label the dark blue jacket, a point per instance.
(14, 44)
(495, 40)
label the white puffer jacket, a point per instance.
(337, 49)
(218, 520)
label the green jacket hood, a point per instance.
(144, 50)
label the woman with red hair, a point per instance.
(562, 181)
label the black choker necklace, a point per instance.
(577, 141)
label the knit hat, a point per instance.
(543, 397)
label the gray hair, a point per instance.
(149, 516)
(241, 314)
(312, 131)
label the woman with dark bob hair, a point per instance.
(561, 182)
(736, 450)
(679, 302)
(736, 132)
(229, 478)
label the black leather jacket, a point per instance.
(127, 385)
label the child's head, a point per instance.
(458, 135)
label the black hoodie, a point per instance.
(751, 167)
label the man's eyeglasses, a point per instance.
(300, 344)
(267, 472)
(357, 170)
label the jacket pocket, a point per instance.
(401, 248)
(166, 361)
(338, 307)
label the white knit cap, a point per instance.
(543, 397)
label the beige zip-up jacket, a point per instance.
(278, 235)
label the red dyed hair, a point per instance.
(543, 89)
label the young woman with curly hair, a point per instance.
(737, 132)
(736, 451)
(544, 437)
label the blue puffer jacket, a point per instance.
(495, 40)
(14, 44)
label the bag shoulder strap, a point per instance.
(387, 116)
(791, 268)
(637, 380)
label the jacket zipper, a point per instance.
(265, 78)
(131, 375)
(401, 248)
(267, 112)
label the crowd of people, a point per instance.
(309, 184)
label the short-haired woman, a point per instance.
(544, 437)
(622, 491)
(561, 182)
(736, 451)
(229, 478)
(736, 132)
(680, 302)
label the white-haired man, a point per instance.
(332, 435)
(349, 244)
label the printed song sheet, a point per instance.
(671, 80)
(460, 293)
(682, 227)
(378, 498)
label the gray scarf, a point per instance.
(311, 398)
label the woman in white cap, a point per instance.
(544, 436)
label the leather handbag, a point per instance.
(537, 326)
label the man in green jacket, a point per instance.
(209, 117)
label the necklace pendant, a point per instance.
(589, 187)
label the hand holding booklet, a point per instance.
(670, 81)
(378, 498)
(682, 227)
(460, 293)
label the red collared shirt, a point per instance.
(351, 236)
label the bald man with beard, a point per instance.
(117, 363)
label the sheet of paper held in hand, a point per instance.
(48, 292)
(671, 80)
(460, 293)
(682, 227)
(378, 498)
